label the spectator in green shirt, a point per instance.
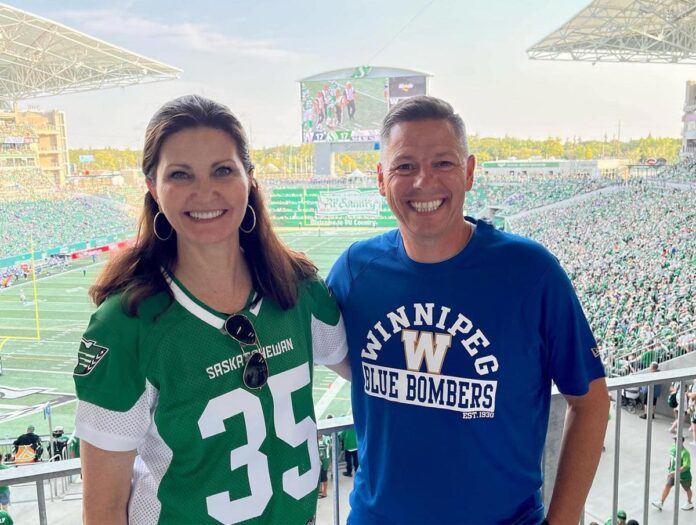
(325, 458)
(684, 476)
(620, 518)
(350, 447)
(4, 489)
(74, 446)
(5, 518)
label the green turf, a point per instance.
(45, 366)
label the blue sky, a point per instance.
(250, 54)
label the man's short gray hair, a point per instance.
(424, 108)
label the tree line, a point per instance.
(299, 159)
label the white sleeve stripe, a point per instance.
(112, 429)
(103, 440)
(329, 345)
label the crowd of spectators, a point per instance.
(22, 183)
(15, 129)
(682, 171)
(631, 255)
(509, 194)
(51, 223)
(533, 192)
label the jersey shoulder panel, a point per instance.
(318, 298)
(113, 353)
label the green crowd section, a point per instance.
(631, 255)
(53, 225)
(47, 225)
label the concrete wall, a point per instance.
(684, 361)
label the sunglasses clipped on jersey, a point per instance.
(240, 328)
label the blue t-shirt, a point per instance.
(452, 365)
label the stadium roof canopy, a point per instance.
(656, 31)
(39, 57)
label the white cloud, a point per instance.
(186, 36)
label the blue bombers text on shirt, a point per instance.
(474, 398)
(470, 396)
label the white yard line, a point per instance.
(36, 371)
(315, 246)
(38, 410)
(329, 396)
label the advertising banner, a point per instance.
(333, 208)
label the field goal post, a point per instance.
(37, 321)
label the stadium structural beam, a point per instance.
(39, 57)
(643, 31)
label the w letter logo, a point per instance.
(425, 345)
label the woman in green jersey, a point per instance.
(194, 374)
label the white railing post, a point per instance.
(41, 500)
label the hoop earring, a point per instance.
(154, 227)
(253, 225)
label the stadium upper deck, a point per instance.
(40, 57)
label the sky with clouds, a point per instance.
(250, 54)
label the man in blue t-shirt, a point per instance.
(455, 332)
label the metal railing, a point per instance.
(40, 472)
(684, 376)
(333, 427)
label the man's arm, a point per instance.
(583, 438)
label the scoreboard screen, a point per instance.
(352, 109)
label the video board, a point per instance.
(352, 109)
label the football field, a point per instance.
(37, 358)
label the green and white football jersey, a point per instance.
(168, 383)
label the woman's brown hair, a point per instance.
(136, 272)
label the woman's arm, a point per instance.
(106, 478)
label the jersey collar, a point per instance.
(201, 310)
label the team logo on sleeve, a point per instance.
(89, 356)
(595, 351)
